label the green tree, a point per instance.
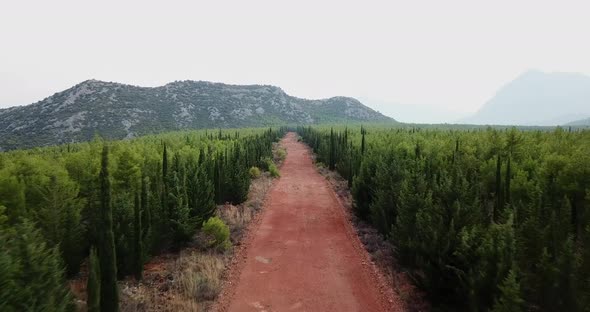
(31, 274)
(146, 216)
(137, 237)
(332, 154)
(510, 299)
(59, 219)
(93, 284)
(498, 195)
(202, 199)
(180, 227)
(165, 184)
(12, 195)
(109, 294)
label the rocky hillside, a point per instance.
(117, 111)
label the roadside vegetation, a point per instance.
(481, 220)
(123, 202)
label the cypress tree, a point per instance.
(138, 245)
(332, 155)
(179, 212)
(498, 194)
(164, 162)
(146, 214)
(510, 299)
(350, 167)
(109, 294)
(507, 182)
(165, 181)
(217, 178)
(363, 141)
(201, 156)
(202, 196)
(345, 137)
(93, 285)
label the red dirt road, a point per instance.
(303, 255)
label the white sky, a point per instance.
(447, 56)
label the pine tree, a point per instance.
(31, 273)
(498, 195)
(351, 166)
(165, 183)
(109, 294)
(507, 182)
(363, 189)
(180, 229)
(137, 237)
(203, 196)
(510, 298)
(59, 220)
(93, 284)
(146, 215)
(216, 167)
(332, 152)
(164, 163)
(363, 132)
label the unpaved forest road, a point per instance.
(302, 256)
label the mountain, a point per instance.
(537, 98)
(117, 111)
(581, 122)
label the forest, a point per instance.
(480, 219)
(115, 203)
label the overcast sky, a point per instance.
(442, 58)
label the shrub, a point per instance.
(274, 171)
(282, 153)
(254, 172)
(271, 167)
(217, 233)
(265, 163)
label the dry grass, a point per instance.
(181, 304)
(188, 283)
(155, 291)
(198, 276)
(151, 301)
(236, 217)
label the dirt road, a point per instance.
(303, 255)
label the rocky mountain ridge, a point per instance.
(116, 111)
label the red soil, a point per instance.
(303, 254)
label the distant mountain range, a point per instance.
(117, 111)
(581, 122)
(538, 99)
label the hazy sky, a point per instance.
(443, 58)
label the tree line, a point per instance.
(482, 220)
(115, 203)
